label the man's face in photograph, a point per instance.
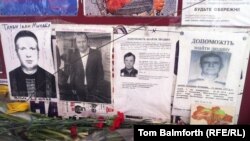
(27, 52)
(129, 62)
(211, 65)
(82, 43)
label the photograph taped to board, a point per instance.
(82, 75)
(83, 60)
(27, 49)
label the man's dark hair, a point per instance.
(82, 33)
(25, 33)
(211, 55)
(128, 55)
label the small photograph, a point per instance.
(141, 8)
(129, 70)
(84, 66)
(208, 68)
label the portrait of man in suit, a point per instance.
(29, 79)
(83, 75)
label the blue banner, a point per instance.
(38, 7)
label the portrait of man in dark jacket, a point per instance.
(29, 79)
(83, 72)
(129, 70)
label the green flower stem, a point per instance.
(13, 118)
(82, 135)
(56, 134)
(40, 137)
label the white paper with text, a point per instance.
(144, 66)
(200, 83)
(216, 12)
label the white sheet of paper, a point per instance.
(242, 81)
(145, 92)
(191, 87)
(216, 12)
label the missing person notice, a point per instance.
(213, 71)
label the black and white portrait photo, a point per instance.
(30, 64)
(129, 70)
(208, 68)
(84, 66)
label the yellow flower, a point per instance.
(17, 107)
(4, 90)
